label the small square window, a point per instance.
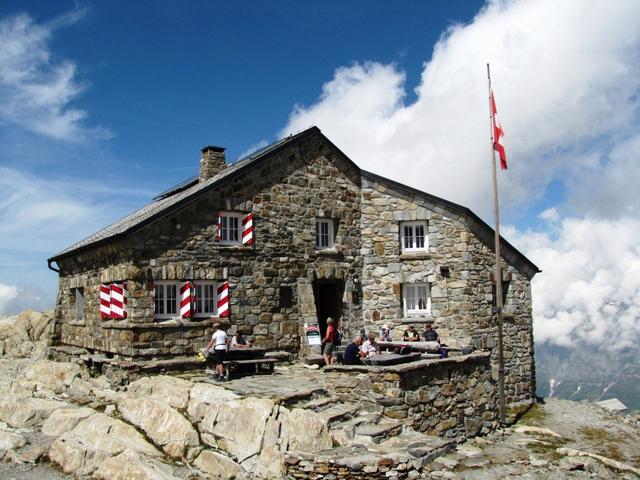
(324, 233)
(285, 297)
(413, 237)
(229, 228)
(79, 304)
(416, 299)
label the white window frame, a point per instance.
(209, 287)
(162, 285)
(411, 238)
(224, 230)
(412, 302)
(329, 234)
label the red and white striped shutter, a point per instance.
(125, 299)
(117, 301)
(186, 299)
(223, 299)
(105, 301)
(247, 229)
(218, 235)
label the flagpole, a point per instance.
(498, 274)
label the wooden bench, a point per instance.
(259, 363)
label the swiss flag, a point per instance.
(498, 133)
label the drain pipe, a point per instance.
(49, 262)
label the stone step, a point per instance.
(317, 403)
(369, 433)
(394, 457)
(339, 411)
(343, 432)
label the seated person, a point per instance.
(352, 353)
(239, 340)
(385, 334)
(429, 334)
(411, 335)
(370, 347)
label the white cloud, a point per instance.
(567, 82)
(35, 90)
(256, 146)
(8, 293)
(589, 291)
(566, 76)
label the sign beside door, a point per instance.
(312, 332)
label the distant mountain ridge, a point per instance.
(587, 373)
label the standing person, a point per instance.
(328, 341)
(219, 341)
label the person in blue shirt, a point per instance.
(429, 334)
(352, 353)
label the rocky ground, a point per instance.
(57, 421)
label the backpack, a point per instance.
(338, 337)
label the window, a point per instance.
(505, 290)
(79, 303)
(166, 299)
(324, 233)
(229, 225)
(206, 299)
(285, 297)
(414, 237)
(416, 299)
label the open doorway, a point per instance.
(328, 297)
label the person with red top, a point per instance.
(328, 342)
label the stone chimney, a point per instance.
(212, 162)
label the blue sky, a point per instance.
(104, 104)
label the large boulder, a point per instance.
(95, 439)
(205, 400)
(240, 426)
(162, 424)
(64, 420)
(171, 390)
(26, 334)
(10, 441)
(219, 466)
(304, 430)
(20, 412)
(54, 376)
(270, 463)
(130, 465)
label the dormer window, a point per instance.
(324, 233)
(414, 237)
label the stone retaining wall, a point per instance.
(449, 397)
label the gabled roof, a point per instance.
(176, 197)
(189, 190)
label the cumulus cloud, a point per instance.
(589, 291)
(35, 90)
(567, 82)
(566, 76)
(15, 299)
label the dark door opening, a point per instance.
(328, 297)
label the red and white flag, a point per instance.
(498, 133)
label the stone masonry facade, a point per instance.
(274, 282)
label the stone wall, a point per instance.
(461, 301)
(448, 397)
(286, 194)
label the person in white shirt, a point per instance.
(219, 342)
(370, 347)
